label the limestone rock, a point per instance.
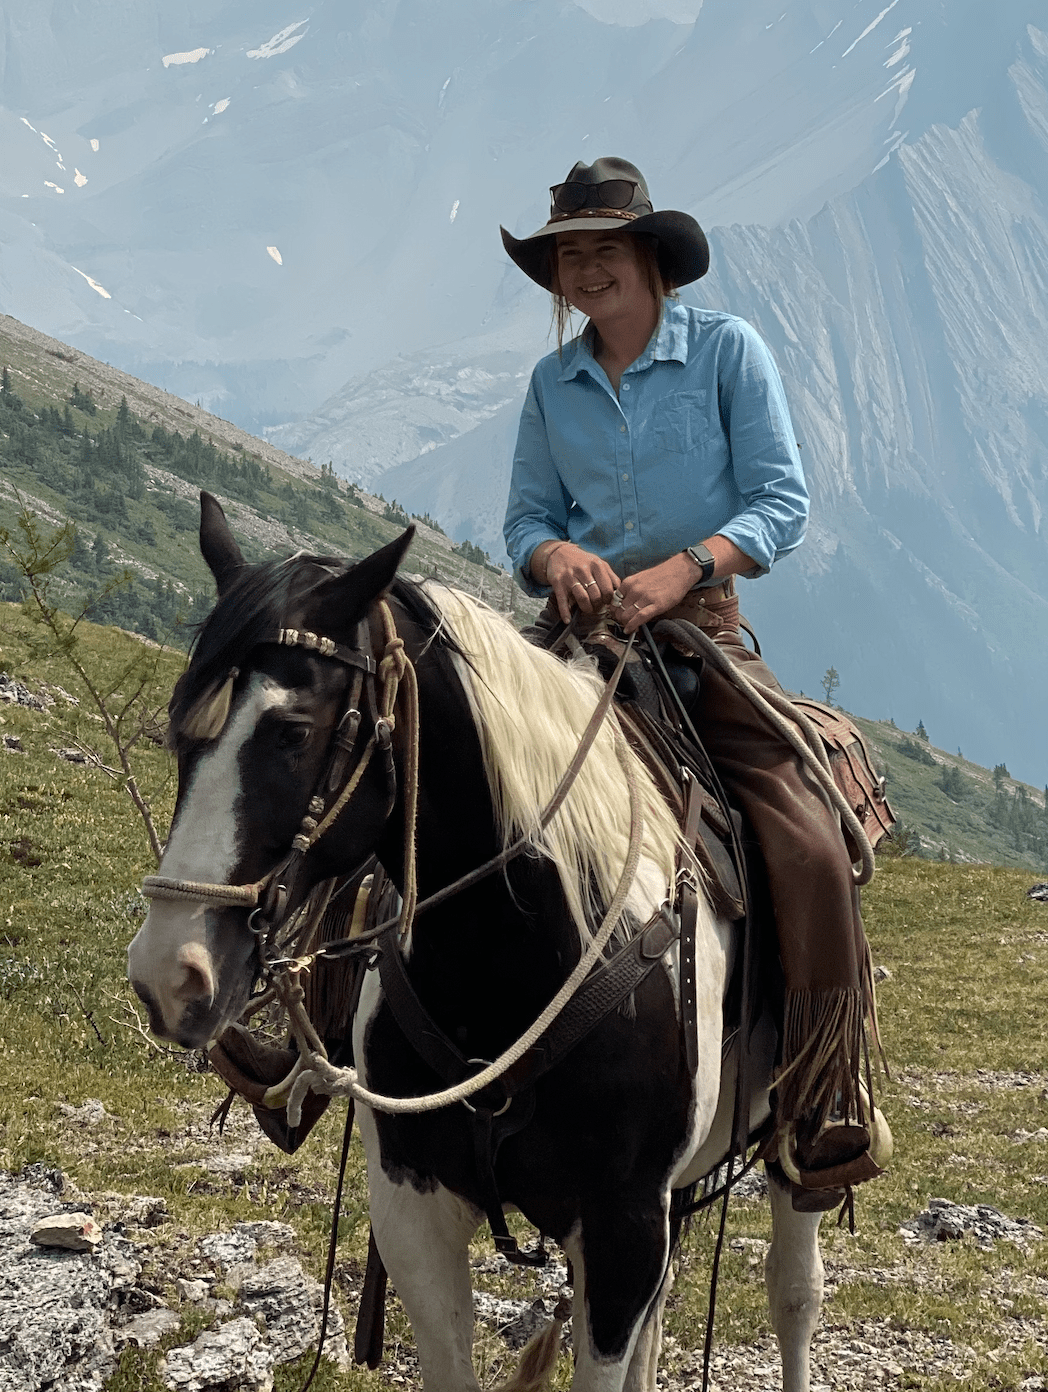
(54, 1303)
(290, 1303)
(944, 1221)
(232, 1358)
(77, 1232)
(229, 1249)
(90, 1112)
(147, 1329)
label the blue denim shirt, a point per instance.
(698, 441)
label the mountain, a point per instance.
(86, 444)
(292, 218)
(949, 808)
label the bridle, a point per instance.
(279, 968)
(268, 897)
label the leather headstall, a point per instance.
(268, 918)
(268, 898)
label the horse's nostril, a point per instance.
(156, 1019)
(197, 981)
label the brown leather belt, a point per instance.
(712, 594)
(714, 607)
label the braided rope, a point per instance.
(199, 892)
(324, 1077)
(784, 717)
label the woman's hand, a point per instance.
(579, 579)
(647, 595)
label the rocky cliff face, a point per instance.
(295, 223)
(909, 317)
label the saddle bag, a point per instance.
(853, 769)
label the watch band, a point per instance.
(704, 559)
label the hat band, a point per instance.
(620, 213)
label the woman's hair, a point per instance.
(648, 259)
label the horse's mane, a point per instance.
(531, 710)
(262, 599)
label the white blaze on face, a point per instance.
(203, 841)
(171, 956)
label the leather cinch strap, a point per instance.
(495, 1117)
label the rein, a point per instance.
(313, 1069)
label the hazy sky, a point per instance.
(631, 12)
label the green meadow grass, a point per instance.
(964, 1006)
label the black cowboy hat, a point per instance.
(610, 195)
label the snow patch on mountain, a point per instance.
(282, 42)
(98, 289)
(178, 60)
(870, 28)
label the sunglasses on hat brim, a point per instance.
(572, 195)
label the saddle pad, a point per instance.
(853, 768)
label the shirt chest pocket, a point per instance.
(682, 421)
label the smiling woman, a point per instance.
(656, 461)
(575, 254)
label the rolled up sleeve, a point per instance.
(764, 454)
(538, 503)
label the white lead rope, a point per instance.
(319, 1075)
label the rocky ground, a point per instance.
(127, 1274)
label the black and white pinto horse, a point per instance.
(619, 1123)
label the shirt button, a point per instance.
(625, 386)
(625, 478)
(629, 526)
(622, 430)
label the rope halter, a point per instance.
(394, 669)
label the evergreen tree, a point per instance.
(8, 396)
(830, 682)
(100, 553)
(82, 556)
(83, 401)
(920, 731)
(952, 782)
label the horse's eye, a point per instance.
(293, 735)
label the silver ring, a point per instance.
(577, 585)
(592, 583)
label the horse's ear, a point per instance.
(216, 542)
(345, 600)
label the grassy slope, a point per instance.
(967, 952)
(43, 372)
(964, 828)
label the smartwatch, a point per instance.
(703, 558)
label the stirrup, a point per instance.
(870, 1148)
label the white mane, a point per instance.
(531, 710)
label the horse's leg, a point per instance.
(423, 1239)
(794, 1273)
(619, 1258)
(642, 1375)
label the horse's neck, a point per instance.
(514, 924)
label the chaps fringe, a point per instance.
(822, 1055)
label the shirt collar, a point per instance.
(669, 343)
